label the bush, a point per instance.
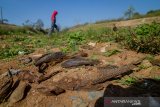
(145, 38)
(75, 39)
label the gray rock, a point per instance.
(78, 102)
(94, 95)
(26, 60)
(10, 73)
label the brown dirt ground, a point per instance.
(36, 99)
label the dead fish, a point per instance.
(18, 93)
(78, 61)
(45, 77)
(57, 57)
(107, 68)
(5, 87)
(114, 72)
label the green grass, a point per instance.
(150, 57)
(127, 81)
(157, 78)
(144, 38)
(22, 44)
(111, 52)
(141, 67)
(94, 57)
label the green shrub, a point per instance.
(146, 38)
(128, 81)
(75, 39)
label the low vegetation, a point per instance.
(128, 81)
(143, 38)
(111, 52)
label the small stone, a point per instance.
(94, 95)
(21, 52)
(69, 80)
(25, 60)
(36, 56)
(92, 44)
(103, 49)
(108, 44)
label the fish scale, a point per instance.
(113, 73)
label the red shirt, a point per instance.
(54, 15)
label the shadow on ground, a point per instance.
(142, 88)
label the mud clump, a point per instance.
(49, 91)
(156, 62)
(32, 78)
(69, 83)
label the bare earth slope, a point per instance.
(126, 23)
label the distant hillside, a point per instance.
(136, 19)
(9, 29)
(126, 23)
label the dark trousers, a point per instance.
(52, 28)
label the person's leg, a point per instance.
(52, 29)
(56, 27)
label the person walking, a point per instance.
(53, 23)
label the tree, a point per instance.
(129, 13)
(136, 15)
(2, 20)
(39, 24)
(28, 23)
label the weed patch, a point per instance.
(128, 81)
(111, 52)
